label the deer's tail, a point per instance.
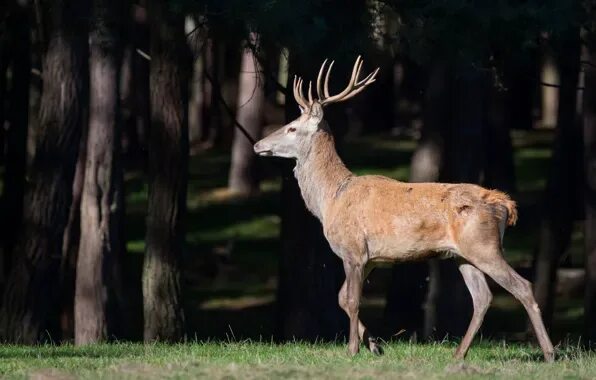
(498, 198)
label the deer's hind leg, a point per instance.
(487, 255)
(363, 333)
(481, 299)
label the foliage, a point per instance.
(476, 30)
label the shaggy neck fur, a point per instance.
(320, 172)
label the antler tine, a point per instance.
(354, 87)
(363, 86)
(349, 87)
(326, 86)
(298, 92)
(301, 92)
(320, 93)
(368, 78)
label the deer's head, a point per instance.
(291, 139)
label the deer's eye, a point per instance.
(291, 129)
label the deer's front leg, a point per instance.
(363, 332)
(354, 284)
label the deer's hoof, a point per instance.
(375, 347)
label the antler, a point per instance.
(354, 87)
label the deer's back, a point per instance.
(387, 220)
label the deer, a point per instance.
(372, 220)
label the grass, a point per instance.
(231, 360)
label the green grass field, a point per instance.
(246, 360)
(228, 301)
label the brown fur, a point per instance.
(377, 219)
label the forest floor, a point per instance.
(246, 360)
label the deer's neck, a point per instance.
(320, 173)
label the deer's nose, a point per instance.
(260, 147)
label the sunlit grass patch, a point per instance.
(253, 359)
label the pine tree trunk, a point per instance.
(406, 305)
(99, 245)
(168, 172)
(243, 176)
(589, 104)
(4, 60)
(560, 201)
(197, 41)
(468, 129)
(195, 102)
(70, 245)
(310, 275)
(30, 295)
(16, 135)
(500, 169)
(139, 36)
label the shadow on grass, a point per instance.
(50, 352)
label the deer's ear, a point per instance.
(301, 110)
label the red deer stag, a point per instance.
(370, 220)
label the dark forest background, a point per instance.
(133, 207)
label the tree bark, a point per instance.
(70, 246)
(469, 130)
(16, 135)
(409, 299)
(197, 39)
(243, 176)
(100, 246)
(499, 169)
(141, 68)
(589, 134)
(211, 110)
(30, 294)
(4, 62)
(310, 275)
(168, 166)
(560, 199)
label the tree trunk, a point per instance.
(195, 102)
(16, 135)
(30, 294)
(4, 61)
(560, 198)
(500, 170)
(197, 39)
(589, 104)
(310, 275)
(139, 36)
(130, 139)
(469, 129)
(70, 246)
(168, 171)
(406, 307)
(100, 245)
(549, 74)
(243, 177)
